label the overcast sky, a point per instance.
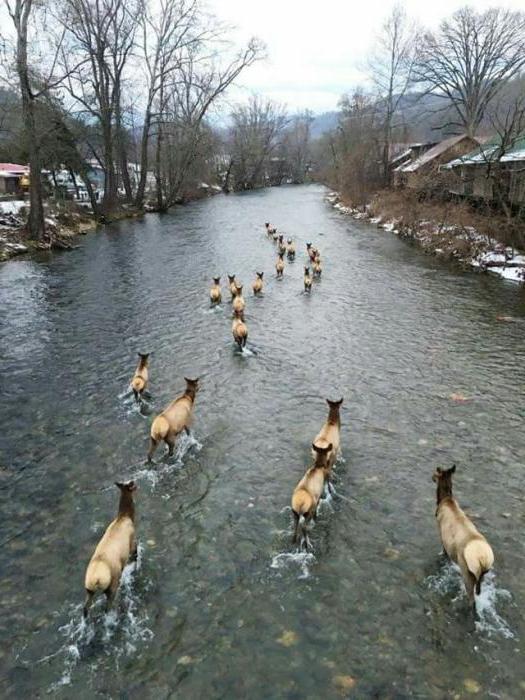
(315, 48)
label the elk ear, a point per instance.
(330, 446)
(314, 447)
(452, 470)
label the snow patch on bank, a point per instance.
(473, 248)
(12, 206)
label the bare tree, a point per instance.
(390, 67)
(165, 33)
(255, 135)
(508, 124)
(200, 82)
(468, 61)
(21, 14)
(353, 166)
(100, 37)
(297, 145)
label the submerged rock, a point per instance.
(458, 397)
(185, 660)
(288, 638)
(471, 686)
(344, 683)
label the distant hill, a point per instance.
(323, 122)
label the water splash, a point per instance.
(117, 633)
(489, 620)
(143, 407)
(286, 560)
(448, 581)
(153, 473)
(327, 501)
(245, 352)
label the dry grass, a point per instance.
(419, 215)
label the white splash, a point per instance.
(286, 560)
(449, 581)
(326, 503)
(118, 632)
(132, 406)
(490, 621)
(161, 468)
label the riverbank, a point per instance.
(448, 230)
(66, 222)
(63, 226)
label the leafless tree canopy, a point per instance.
(115, 70)
(256, 132)
(469, 59)
(391, 68)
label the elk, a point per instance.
(307, 493)
(461, 540)
(140, 378)
(215, 291)
(115, 549)
(330, 434)
(238, 300)
(258, 284)
(307, 280)
(279, 266)
(239, 329)
(174, 419)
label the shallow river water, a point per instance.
(220, 605)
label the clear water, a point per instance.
(221, 606)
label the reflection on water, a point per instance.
(25, 295)
(222, 604)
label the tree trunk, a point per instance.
(226, 181)
(74, 180)
(122, 151)
(110, 181)
(141, 188)
(36, 220)
(158, 173)
(93, 200)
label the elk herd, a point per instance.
(284, 249)
(461, 540)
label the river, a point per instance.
(219, 604)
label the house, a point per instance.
(404, 153)
(411, 173)
(14, 179)
(476, 172)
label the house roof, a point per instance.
(489, 152)
(401, 151)
(432, 153)
(401, 156)
(13, 169)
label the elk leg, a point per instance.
(170, 442)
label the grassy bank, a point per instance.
(449, 229)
